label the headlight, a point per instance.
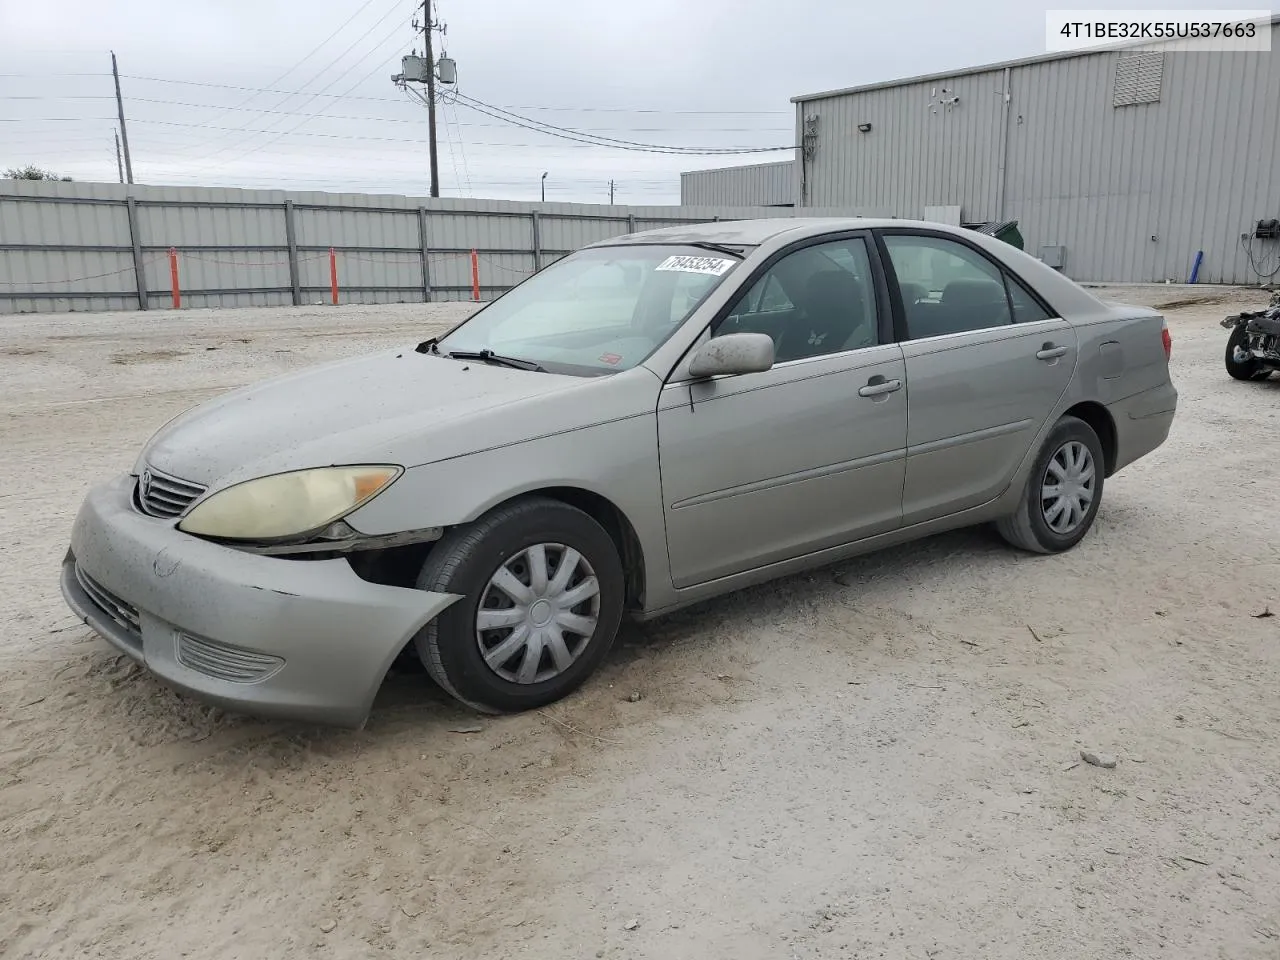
(287, 504)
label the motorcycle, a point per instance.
(1253, 349)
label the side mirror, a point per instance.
(732, 354)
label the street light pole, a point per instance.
(544, 187)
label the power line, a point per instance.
(334, 116)
(331, 116)
(314, 50)
(378, 66)
(412, 174)
(54, 119)
(580, 143)
(295, 93)
(404, 184)
(41, 76)
(412, 120)
(462, 148)
(448, 142)
(567, 133)
(325, 136)
(235, 142)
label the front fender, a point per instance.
(617, 460)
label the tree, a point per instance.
(32, 172)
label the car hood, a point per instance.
(395, 407)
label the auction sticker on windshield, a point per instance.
(709, 265)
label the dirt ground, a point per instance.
(874, 760)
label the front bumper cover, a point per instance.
(300, 639)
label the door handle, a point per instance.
(1050, 352)
(879, 387)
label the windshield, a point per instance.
(596, 311)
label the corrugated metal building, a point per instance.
(1119, 165)
(766, 184)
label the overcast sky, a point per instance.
(709, 73)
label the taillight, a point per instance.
(1166, 340)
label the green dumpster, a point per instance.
(1006, 230)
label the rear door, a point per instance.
(986, 365)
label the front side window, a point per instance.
(596, 311)
(816, 301)
(946, 287)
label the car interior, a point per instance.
(810, 304)
(964, 305)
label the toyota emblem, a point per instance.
(145, 483)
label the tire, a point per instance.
(1249, 369)
(453, 647)
(1032, 528)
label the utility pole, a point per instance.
(611, 193)
(429, 71)
(431, 96)
(119, 162)
(124, 133)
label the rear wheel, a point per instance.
(1063, 491)
(542, 594)
(1240, 364)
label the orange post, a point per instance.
(333, 275)
(173, 278)
(475, 275)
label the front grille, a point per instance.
(125, 614)
(162, 495)
(225, 662)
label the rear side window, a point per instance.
(947, 287)
(1026, 309)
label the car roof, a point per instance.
(757, 232)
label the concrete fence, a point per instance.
(87, 246)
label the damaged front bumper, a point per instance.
(301, 639)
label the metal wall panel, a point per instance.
(558, 232)
(26, 221)
(221, 270)
(70, 245)
(1131, 192)
(920, 150)
(757, 184)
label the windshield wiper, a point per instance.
(488, 356)
(718, 248)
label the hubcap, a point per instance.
(1068, 487)
(537, 613)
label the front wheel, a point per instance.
(1240, 364)
(1063, 491)
(542, 594)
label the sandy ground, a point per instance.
(874, 760)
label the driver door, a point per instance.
(764, 467)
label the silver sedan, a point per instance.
(651, 421)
